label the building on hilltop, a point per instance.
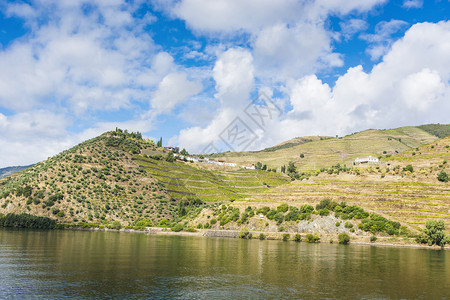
(366, 160)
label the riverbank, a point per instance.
(327, 238)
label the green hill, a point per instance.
(323, 152)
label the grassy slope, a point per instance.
(327, 152)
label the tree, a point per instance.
(159, 143)
(291, 168)
(184, 152)
(408, 168)
(343, 238)
(283, 169)
(244, 233)
(258, 165)
(443, 176)
(302, 155)
(435, 233)
(170, 157)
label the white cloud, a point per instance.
(77, 59)
(410, 86)
(412, 3)
(352, 26)
(174, 89)
(382, 39)
(233, 74)
(288, 37)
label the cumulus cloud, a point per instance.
(410, 86)
(233, 74)
(289, 37)
(174, 89)
(382, 39)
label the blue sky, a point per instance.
(193, 71)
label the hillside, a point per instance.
(91, 182)
(120, 177)
(323, 152)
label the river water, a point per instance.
(79, 264)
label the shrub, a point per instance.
(324, 212)
(244, 233)
(343, 238)
(283, 208)
(297, 237)
(435, 233)
(338, 224)
(348, 225)
(262, 236)
(443, 176)
(213, 221)
(177, 228)
(373, 238)
(306, 209)
(285, 236)
(312, 238)
(408, 168)
(116, 225)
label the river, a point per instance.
(83, 264)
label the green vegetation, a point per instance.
(441, 131)
(297, 237)
(312, 238)
(26, 221)
(434, 234)
(343, 238)
(443, 176)
(285, 237)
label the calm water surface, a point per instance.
(73, 264)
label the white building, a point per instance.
(367, 160)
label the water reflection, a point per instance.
(97, 264)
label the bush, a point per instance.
(116, 225)
(435, 233)
(324, 212)
(312, 238)
(408, 168)
(373, 238)
(306, 209)
(283, 208)
(343, 238)
(244, 233)
(297, 237)
(443, 176)
(262, 236)
(177, 228)
(285, 236)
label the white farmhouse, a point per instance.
(367, 160)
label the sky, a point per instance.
(217, 75)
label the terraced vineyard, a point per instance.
(409, 202)
(185, 181)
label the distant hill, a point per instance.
(438, 130)
(321, 152)
(11, 170)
